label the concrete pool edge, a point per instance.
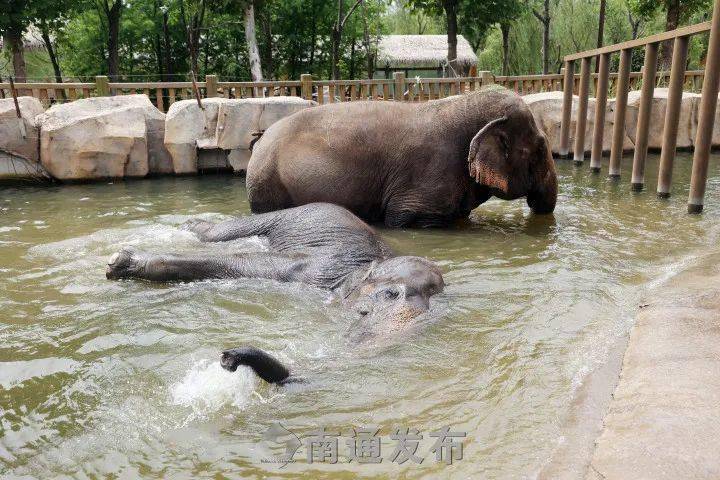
(662, 419)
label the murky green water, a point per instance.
(101, 378)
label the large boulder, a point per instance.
(225, 125)
(546, 107)
(687, 127)
(103, 137)
(19, 136)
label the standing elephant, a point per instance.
(406, 164)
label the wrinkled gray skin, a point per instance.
(319, 244)
(403, 163)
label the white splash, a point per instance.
(207, 387)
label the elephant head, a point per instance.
(512, 158)
(393, 293)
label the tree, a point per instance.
(251, 40)
(192, 16)
(17, 16)
(337, 34)
(109, 14)
(449, 8)
(601, 30)
(676, 12)
(544, 18)
(370, 57)
(471, 18)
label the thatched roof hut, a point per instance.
(32, 39)
(422, 52)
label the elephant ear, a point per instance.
(488, 155)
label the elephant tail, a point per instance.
(263, 364)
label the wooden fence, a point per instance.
(677, 79)
(399, 88)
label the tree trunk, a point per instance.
(267, 55)
(45, 32)
(672, 20)
(601, 31)
(450, 7)
(194, 47)
(366, 42)
(167, 50)
(192, 29)
(336, 36)
(206, 54)
(113, 16)
(251, 41)
(546, 37)
(505, 29)
(14, 39)
(352, 60)
(313, 44)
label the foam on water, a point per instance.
(207, 387)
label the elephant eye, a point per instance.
(391, 294)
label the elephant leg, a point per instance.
(129, 263)
(231, 229)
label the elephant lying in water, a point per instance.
(319, 244)
(403, 163)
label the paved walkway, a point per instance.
(664, 419)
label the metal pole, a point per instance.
(706, 117)
(581, 121)
(567, 108)
(623, 80)
(672, 116)
(600, 107)
(643, 122)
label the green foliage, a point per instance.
(404, 20)
(294, 35)
(687, 8)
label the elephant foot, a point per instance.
(198, 227)
(126, 263)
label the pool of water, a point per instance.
(101, 378)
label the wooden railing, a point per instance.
(677, 78)
(527, 84)
(399, 88)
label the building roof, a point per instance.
(421, 51)
(32, 39)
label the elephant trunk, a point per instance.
(542, 195)
(262, 363)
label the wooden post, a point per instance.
(211, 86)
(567, 109)
(399, 87)
(643, 122)
(600, 107)
(581, 121)
(486, 78)
(616, 150)
(159, 103)
(672, 116)
(102, 86)
(706, 117)
(306, 86)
